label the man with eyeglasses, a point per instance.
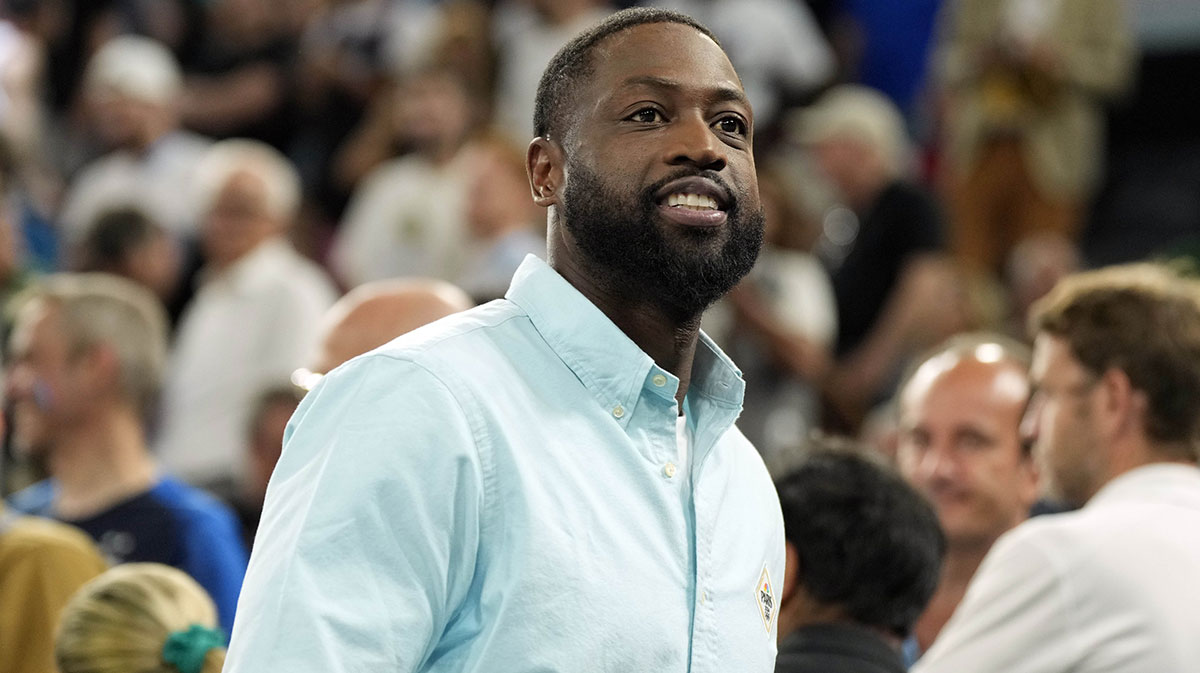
(1113, 420)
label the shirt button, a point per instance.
(703, 597)
(659, 380)
(618, 411)
(669, 470)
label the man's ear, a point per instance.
(544, 165)
(1123, 405)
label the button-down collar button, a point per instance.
(618, 411)
(669, 470)
(659, 380)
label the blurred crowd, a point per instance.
(929, 168)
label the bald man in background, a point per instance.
(367, 317)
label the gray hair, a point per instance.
(281, 182)
(103, 309)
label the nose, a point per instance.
(937, 464)
(693, 142)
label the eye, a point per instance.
(646, 115)
(732, 125)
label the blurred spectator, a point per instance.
(252, 320)
(960, 445)
(88, 356)
(407, 218)
(42, 563)
(527, 35)
(342, 67)
(780, 323)
(268, 421)
(22, 61)
(133, 85)
(238, 81)
(143, 617)
(367, 317)
(125, 242)
(373, 314)
(863, 555)
(503, 223)
(1113, 421)
(776, 47)
(896, 293)
(1025, 83)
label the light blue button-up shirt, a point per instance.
(496, 493)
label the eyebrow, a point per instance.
(716, 94)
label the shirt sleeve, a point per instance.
(1016, 616)
(369, 534)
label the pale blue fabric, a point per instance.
(470, 498)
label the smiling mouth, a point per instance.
(700, 202)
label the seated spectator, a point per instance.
(1113, 421)
(42, 563)
(896, 291)
(143, 617)
(88, 355)
(407, 217)
(133, 85)
(863, 555)
(960, 445)
(502, 221)
(252, 321)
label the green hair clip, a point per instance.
(185, 650)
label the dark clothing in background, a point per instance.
(837, 648)
(904, 222)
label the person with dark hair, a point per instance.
(126, 242)
(864, 552)
(1113, 420)
(552, 481)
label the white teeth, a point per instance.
(694, 201)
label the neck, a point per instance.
(962, 560)
(100, 465)
(669, 340)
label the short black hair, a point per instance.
(867, 542)
(113, 235)
(573, 63)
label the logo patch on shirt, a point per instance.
(764, 595)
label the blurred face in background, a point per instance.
(498, 192)
(238, 219)
(46, 382)
(433, 112)
(960, 445)
(122, 121)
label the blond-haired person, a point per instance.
(87, 357)
(144, 617)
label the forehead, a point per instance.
(36, 322)
(643, 55)
(966, 387)
(1052, 357)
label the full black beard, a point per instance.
(629, 255)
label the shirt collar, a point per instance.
(1158, 482)
(612, 367)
